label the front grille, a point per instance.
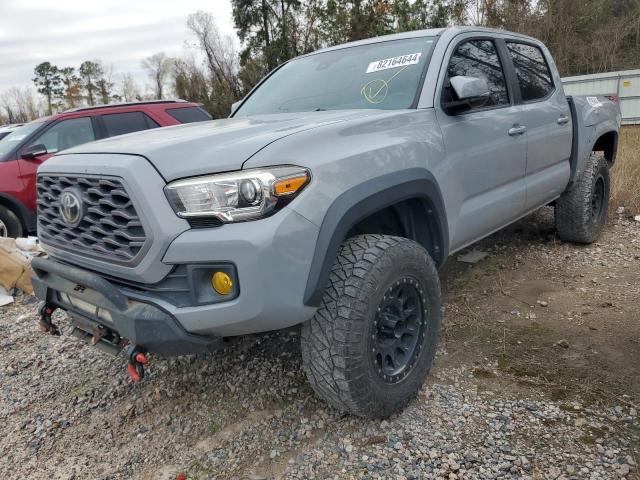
(110, 228)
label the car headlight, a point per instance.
(237, 196)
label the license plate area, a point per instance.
(91, 310)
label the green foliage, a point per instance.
(266, 27)
(72, 88)
(91, 72)
(48, 82)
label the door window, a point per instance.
(66, 134)
(533, 73)
(189, 114)
(479, 58)
(121, 123)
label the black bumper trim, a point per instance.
(142, 323)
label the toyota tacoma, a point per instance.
(328, 199)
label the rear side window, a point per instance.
(479, 58)
(189, 114)
(121, 123)
(532, 70)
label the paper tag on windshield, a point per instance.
(594, 102)
(394, 62)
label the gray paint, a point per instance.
(217, 146)
(487, 178)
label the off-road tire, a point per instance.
(574, 217)
(9, 222)
(337, 344)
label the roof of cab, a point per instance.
(432, 32)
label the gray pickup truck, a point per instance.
(328, 199)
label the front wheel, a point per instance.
(581, 212)
(371, 344)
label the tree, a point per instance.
(277, 30)
(158, 66)
(91, 72)
(72, 88)
(129, 91)
(221, 61)
(20, 105)
(48, 82)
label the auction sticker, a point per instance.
(594, 102)
(394, 62)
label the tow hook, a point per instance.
(44, 323)
(137, 361)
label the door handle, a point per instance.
(517, 130)
(563, 120)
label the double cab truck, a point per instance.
(328, 199)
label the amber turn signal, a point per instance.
(222, 283)
(289, 185)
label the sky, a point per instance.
(118, 32)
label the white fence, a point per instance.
(625, 84)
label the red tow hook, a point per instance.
(44, 323)
(137, 361)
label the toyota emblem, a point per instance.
(70, 208)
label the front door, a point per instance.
(59, 136)
(485, 148)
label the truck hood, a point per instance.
(216, 146)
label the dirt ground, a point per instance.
(559, 317)
(540, 335)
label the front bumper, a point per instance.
(143, 324)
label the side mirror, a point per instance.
(470, 87)
(234, 106)
(34, 151)
(470, 91)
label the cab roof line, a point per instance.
(123, 104)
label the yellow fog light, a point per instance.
(222, 283)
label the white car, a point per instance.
(7, 129)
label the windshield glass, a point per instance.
(383, 75)
(11, 141)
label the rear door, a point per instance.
(485, 146)
(547, 118)
(114, 124)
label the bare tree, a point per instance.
(158, 66)
(220, 52)
(129, 90)
(20, 105)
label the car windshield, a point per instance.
(11, 141)
(384, 75)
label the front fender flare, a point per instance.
(364, 200)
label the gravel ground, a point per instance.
(69, 411)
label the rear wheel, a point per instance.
(371, 344)
(581, 212)
(10, 225)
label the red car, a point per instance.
(23, 150)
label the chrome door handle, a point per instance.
(517, 130)
(563, 120)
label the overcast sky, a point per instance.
(118, 32)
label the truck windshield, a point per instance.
(11, 141)
(384, 75)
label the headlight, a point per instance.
(237, 196)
